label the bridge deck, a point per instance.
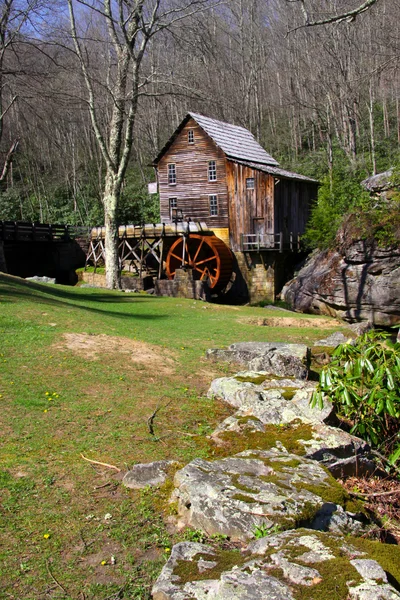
(154, 230)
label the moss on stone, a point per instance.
(289, 435)
(244, 498)
(332, 491)
(257, 380)
(335, 574)
(280, 465)
(240, 486)
(245, 420)
(276, 480)
(187, 570)
(387, 555)
(288, 392)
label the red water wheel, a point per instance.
(207, 256)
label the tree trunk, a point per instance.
(110, 201)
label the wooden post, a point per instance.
(281, 242)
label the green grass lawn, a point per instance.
(81, 371)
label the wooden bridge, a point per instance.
(160, 249)
(54, 250)
(21, 231)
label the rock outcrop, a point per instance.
(279, 482)
(286, 566)
(359, 282)
(148, 474)
(282, 360)
(257, 489)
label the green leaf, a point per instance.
(347, 396)
(394, 457)
(390, 379)
(369, 366)
(390, 407)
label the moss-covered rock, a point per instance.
(294, 565)
(254, 489)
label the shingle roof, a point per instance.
(237, 142)
(277, 171)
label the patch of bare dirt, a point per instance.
(293, 322)
(92, 347)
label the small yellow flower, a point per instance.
(12, 383)
(103, 562)
(46, 536)
(182, 347)
(167, 550)
(45, 410)
(47, 394)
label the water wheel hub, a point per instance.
(208, 257)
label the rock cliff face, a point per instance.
(358, 282)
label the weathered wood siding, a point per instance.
(293, 200)
(192, 188)
(250, 210)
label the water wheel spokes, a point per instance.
(207, 256)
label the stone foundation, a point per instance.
(182, 286)
(261, 275)
(127, 282)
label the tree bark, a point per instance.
(110, 202)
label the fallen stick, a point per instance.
(55, 580)
(150, 420)
(375, 494)
(96, 462)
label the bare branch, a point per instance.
(346, 16)
(8, 160)
(91, 103)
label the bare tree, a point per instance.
(128, 27)
(349, 15)
(13, 16)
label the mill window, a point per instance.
(173, 205)
(250, 183)
(191, 136)
(213, 206)
(172, 174)
(212, 170)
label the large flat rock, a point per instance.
(234, 496)
(286, 566)
(273, 358)
(288, 406)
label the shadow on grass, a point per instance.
(13, 289)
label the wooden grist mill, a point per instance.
(158, 250)
(230, 214)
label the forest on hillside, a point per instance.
(323, 99)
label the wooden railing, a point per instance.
(255, 242)
(21, 231)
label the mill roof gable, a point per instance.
(236, 142)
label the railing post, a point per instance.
(281, 242)
(241, 242)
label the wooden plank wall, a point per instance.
(293, 200)
(247, 206)
(192, 188)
